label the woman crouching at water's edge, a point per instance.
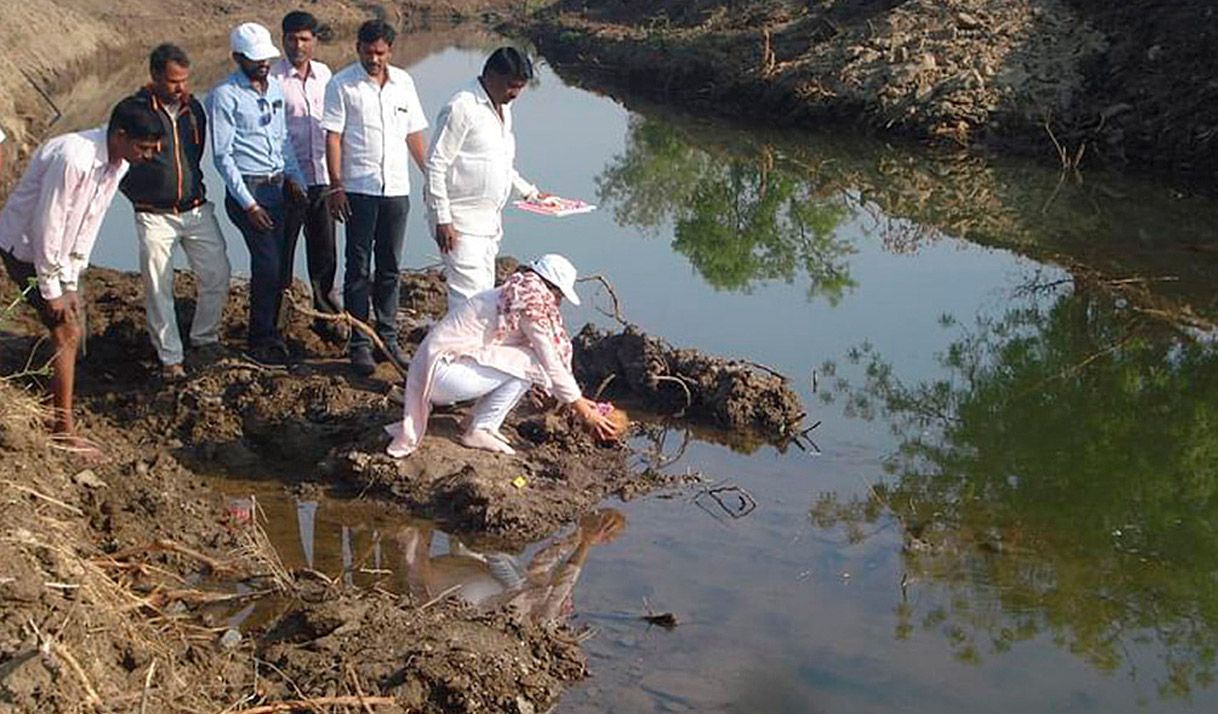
(493, 348)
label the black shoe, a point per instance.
(332, 332)
(361, 361)
(270, 354)
(395, 352)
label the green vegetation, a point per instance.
(1060, 480)
(739, 221)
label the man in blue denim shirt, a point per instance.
(252, 151)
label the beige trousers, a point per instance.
(198, 233)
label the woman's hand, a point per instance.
(601, 426)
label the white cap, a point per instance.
(559, 272)
(253, 41)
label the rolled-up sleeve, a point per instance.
(562, 382)
(223, 130)
(454, 125)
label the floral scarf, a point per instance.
(526, 294)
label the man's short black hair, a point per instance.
(374, 30)
(164, 54)
(135, 118)
(299, 20)
(511, 63)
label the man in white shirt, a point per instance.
(372, 112)
(304, 82)
(49, 224)
(471, 173)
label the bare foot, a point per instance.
(78, 446)
(485, 440)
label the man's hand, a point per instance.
(544, 198)
(260, 218)
(337, 203)
(446, 236)
(295, 194)
(65, 308)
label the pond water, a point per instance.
(1013, 505)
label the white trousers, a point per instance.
(199, 235)
(469, 268)
(464, 379)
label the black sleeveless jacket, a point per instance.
(173, 181)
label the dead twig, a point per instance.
(354, 324)
(689, 397)
(617, 304)
(50, 644)
(164, 544)
(359, 691)
(439, 597)
(745, 505)
(764, 368)
(147, 687)
(42, 496)
(292, 704)
(604, 383)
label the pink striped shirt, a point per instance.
(52, 217)
(305, 98)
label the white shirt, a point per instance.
(2, 136)
(305, 100)
(53, 215)
(471, 164)
(374, 121)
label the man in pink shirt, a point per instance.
(304, 80)
(49, 224)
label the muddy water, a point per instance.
(1013, 505)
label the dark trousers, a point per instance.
(320, 251)
(266, 257)
(376, 229)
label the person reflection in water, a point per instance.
(540, 591)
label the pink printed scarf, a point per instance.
(527, 294)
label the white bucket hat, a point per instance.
(253, 41)
(559, 272)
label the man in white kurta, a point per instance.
(471, 173)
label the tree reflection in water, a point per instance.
(739, 221)
(1060, 480)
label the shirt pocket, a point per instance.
(401, 119)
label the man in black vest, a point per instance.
(171, 208)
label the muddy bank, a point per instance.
(120, 577)
(1127, 81)
(749, 401)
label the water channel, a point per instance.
(1013, 505)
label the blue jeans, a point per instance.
(267, 272)
(376, 228)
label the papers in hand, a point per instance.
(555, 206)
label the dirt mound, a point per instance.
(645, 371)
(516, 499)
(447, 659)
(112, 573)
(1129, 81)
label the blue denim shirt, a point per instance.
(249, 134)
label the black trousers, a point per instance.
(376, 229)
(320, 248)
